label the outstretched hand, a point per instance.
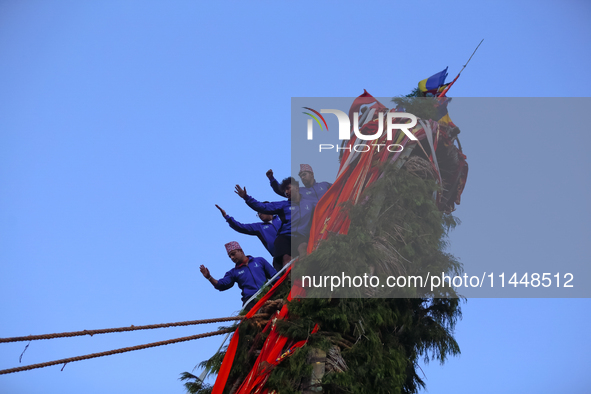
(240, 191)
(270, 174)
(221, 210)
(205, 271)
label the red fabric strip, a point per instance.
(222, 378)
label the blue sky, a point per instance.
(123, 123)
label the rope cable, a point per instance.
(123, 329)
(116, 351)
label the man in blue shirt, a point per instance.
(296, 217)
(312, 190)
(265, 231)
(250, 273)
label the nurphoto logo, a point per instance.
(345, 127)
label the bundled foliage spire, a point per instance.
(380, 340)
(370, 340)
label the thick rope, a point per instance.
(123, 329)
(116, 351)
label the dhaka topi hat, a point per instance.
(305, 167)
(230, 246)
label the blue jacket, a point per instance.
(250, 278)
(313, 193)
(266, 232)
(296, 218)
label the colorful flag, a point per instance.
(442, 114)
(434, 82)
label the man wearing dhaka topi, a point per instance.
(312, 190)
(250, 273)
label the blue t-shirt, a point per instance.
(296, 217)
(266, 232)
(250, 278)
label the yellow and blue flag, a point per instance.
(442, 114)
(434, 82)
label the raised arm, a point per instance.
(207, 275)
(221, 210)
(270, 208)
(225, 283)
(243, 228)
(240, 191)
(274, 183)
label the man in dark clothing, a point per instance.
(266, 231)
(312, 190)
(296, 217)
(250, 273)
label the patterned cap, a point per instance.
(305, 167)
(230, 246)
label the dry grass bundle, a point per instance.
(335, 361)
(419, 167)
(390, 262)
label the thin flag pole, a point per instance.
(456, 78)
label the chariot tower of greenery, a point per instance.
(372, 343)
